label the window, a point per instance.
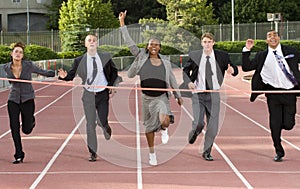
(16, 1)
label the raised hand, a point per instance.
(122, 16)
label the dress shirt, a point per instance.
(200, 81)
(271, 72)
(100, 79)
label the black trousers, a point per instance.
(282, 111)
(95, 104)
(26, 109)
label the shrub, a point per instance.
(35, 52)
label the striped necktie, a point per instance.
(283, 68)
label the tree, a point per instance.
(217, 4)
(139, 9)
(189, 14)
(246, 11)
(53, 13)
(78, 17)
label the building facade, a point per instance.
(15, 13)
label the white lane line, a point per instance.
(231, 165)
(51, 162)
(258, 124)
(138, 143)
(41, 109)
(4, 105)
(145, 172)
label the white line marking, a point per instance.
(258, 124)
(51, 162)
(41, 109)
(261, 126)
(138, 143)
(35, 91)
(231, 165)
(145, 172)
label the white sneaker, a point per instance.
(152, 159)
(164, 136)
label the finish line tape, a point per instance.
(58, 82)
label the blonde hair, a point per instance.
(208, 35)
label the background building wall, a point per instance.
(14, 15)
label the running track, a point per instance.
(56, 152)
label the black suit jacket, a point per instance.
(258, 62)
(80, 67)
(190, 70)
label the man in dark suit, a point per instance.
(94, 69)
(276, 68)
(204, 72)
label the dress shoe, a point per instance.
(207, 156)
(192, 137)
(93, 157)
(107, 132)
(278, 158)
(18, 160)
(171, 116)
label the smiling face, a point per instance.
(153, 47)
(273, 39)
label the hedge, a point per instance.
(35, 52)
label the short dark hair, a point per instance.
(153, 38)
(274, 31)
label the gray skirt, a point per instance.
(152, 107)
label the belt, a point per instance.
(96, 93)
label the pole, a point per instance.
(232, 18)
(28, 23)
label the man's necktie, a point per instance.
(283, 68)
(208, 75)
(91, 80)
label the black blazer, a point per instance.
(258, 62)
(190, 69)
(80, 67)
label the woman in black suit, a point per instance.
(21, 97)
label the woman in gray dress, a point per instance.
(155, 71)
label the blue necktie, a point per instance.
(283, 68)
(208, 75)
(95, 70)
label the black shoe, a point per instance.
(171, 118)
(18, 160)
(192, 137)
(107, 132)
(93, 157)
(278, 158)
(207, 156)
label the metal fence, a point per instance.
(222, 32)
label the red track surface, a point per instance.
(57, 156)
